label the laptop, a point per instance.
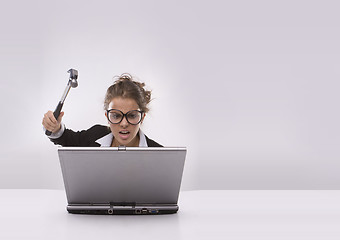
(122, 180)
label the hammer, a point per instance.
(72, 82)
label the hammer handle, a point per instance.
(56, 114)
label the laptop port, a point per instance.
(154, 211)
(138, 211)
(144, 211)
(110, 211)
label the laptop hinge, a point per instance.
(122, 205)
(122, 148)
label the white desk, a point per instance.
(41, 214)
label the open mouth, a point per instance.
(124, 134)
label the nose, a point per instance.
(124, 122)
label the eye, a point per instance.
(133, 115)
(115, 115)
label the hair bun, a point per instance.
(125, 86)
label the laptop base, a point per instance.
(122, 210)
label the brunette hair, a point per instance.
(124, 86)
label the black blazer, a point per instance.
(87, 138)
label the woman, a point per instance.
(125, 109)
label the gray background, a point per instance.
(250, 87)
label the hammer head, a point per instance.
(73, 77)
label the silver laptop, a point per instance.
(123, 180)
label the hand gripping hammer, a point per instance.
(72, 82)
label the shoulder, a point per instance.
(99, 128)
(152, 143)
(98, 131)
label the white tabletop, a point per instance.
(41, 214)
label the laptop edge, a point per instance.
(120, 208)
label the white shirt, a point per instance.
(107, 140)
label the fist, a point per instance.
(50, 123)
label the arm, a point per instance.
(84, 138)
(60, 135)
(69, 138)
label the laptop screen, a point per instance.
(122, 175)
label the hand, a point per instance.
(50, 123)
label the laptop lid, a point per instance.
(122, 175)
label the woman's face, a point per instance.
(124, 133)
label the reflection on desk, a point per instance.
(41, 214)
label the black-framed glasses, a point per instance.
(115, 116)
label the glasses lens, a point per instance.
(115, 116)
(134, 117)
